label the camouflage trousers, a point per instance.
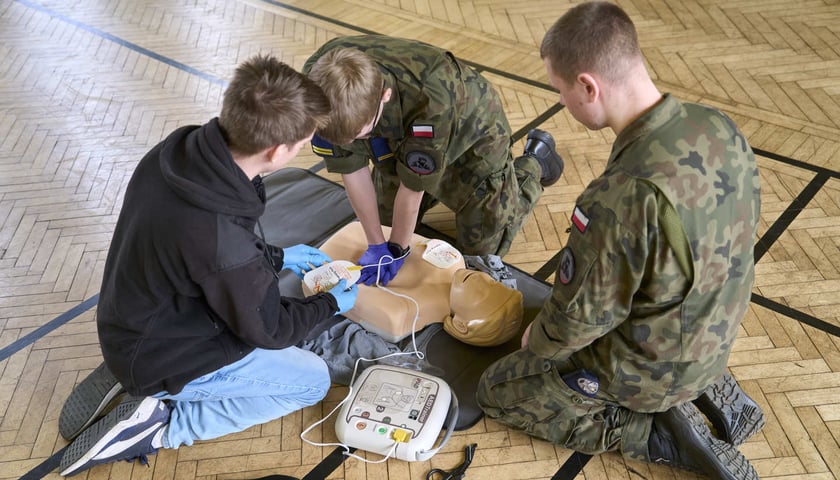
(488, 222)
(527, 392)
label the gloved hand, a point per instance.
(384, 257)
(302, 258)
(345, 296)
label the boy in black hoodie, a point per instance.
(190, 318)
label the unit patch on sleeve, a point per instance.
(566, 269)
(579, 219)
(420, 163)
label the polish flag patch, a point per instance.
(426, 131)
(580, 219)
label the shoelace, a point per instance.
(142, 458)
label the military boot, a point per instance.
(540, 145)
(679, 437)
(733, 414)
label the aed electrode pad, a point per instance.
(327, 276)
(397, 411)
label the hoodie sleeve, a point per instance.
(275, 254)
(247, 299)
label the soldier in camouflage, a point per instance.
(435, 131)
(654, 279)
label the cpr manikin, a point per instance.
(483, 312)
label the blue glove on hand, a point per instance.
(345, 296)
(386, 257)
(302, 258)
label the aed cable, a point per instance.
(348, 451)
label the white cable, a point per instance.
(420, 355)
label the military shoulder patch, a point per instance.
(579, 219)
(381, 150)
(321, 147)
(420, 163)
(566, 269)
(425, 131)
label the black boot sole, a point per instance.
(733, 414)
(700, 450)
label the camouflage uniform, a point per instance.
(622, 309)
(444, 132)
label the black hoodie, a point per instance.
(187, 287)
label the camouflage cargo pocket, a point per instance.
(528, 393)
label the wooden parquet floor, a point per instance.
(86, 87)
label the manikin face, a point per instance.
(580, 98)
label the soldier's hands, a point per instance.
(382, 259)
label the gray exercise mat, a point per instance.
(302, 207)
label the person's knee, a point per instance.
(481, 392)
(486, 400)
(318, 388)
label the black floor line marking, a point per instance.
(548, 268)
(328, 464)
(552, 110)
(572, 466)
(126, 43)
(787, 217)
(797, 315)
(796, 163)
(45, 467)
(46, 328)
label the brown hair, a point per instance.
(268, 103)
(353, 83)
(596, 37)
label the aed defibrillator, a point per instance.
(398, 412)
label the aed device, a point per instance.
(397, 411)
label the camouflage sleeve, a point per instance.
(428, 130)
(337, 159)
(346, 164)
(601, 267)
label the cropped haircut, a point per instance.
(353, 83)
(268, 103)
(595, 37)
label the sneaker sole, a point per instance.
(88, 401)
(725, 400)
(92, 442)
(735, 465)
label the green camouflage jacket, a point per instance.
(439, 109)
(621, 306)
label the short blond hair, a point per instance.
(353, 83)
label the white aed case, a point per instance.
(397, 411)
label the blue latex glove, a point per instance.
(345, 296)
(302, 258)
(384, 257)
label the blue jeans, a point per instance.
(263, 386)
